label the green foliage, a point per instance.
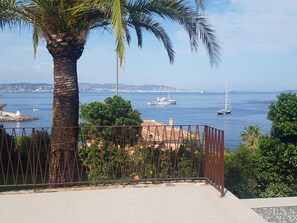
(115, 111)
(34, 147)
(17, 151)
(278, 190)
(277, 165)
(283, 115)
(272, 170)
(97, 162)
(7, 148)
(104, 161)
(240, 176)
(250, 137)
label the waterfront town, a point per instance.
(86, 87)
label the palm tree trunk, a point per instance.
(64, 133)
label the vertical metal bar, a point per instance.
(206, 147)
(32, 145)
(222, 165)
(212, 154)
(1, 158)
(217, 175)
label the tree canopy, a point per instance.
(115, 111)
(250, 137)
(283, 115)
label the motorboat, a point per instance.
(163, 101)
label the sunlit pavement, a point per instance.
(170, 202)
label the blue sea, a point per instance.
(248, 108)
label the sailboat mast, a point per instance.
(226, 97)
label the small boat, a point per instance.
(227, 105)
(163, 101)
(35, 109)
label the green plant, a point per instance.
(8, 155)
(283, 115)
(105, 161)
(240, 176)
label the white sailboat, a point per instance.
(227, 105)
(36, 108)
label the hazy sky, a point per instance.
(258, 38)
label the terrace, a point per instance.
(147, 173)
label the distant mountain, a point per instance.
(26, 87)
(86, 87)
(124, 87)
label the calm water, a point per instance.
(192, 108)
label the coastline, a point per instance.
(20, 118)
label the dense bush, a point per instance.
(276, 166)
(115, 111)
(271, 169)
(23, 155)
(283, 115)
(105, 161)
(34, 147)
(240, 176)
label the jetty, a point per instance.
(6, 116)
(2, 105)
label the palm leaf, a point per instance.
(102, 13)
(147, 23)
(208, 37)
(78, 17)
(35, 40)
(8, 17)
(181, 12)
(118, 22)
(201, 5)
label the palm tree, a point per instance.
(65, 26)
(250, 137)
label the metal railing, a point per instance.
(45, 157)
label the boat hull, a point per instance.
(224, 112)
(161, 103)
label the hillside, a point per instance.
(86, 87)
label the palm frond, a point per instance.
(128, 36)
(201, 5)
(117, 23)
(181, 12)
(7, 16)
(208, 37)
(35, 39)
(145, 22)
(176, 10)
(78, 17)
